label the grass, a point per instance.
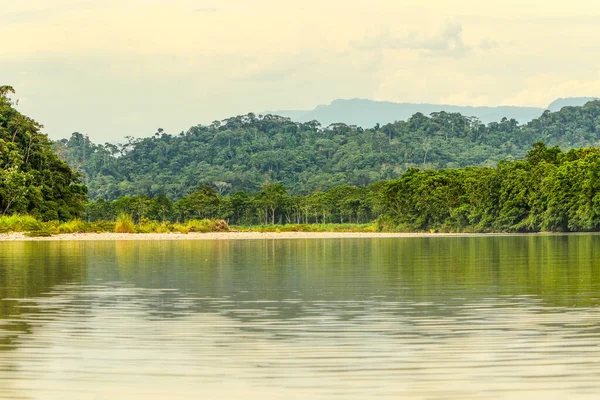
(18, 223)
(74, 226)
(309, 228)
(124, 224)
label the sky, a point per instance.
(116, 68)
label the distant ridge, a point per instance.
(558, 104)
(367, 113)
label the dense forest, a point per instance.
(33, 180)
(549, 190)
(246, 152)
(269, 170)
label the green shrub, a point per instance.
(182, 229)
(207, 225)
(104, 226)
(19, 223)
(309, 228)
(164, 228)
(384, 223)
(73, 226)
(125, 224)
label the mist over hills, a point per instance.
(367, 113)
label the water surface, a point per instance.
(418, 318)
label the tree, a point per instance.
(221, 187)
(247, 150)
(201, 204)
(272, 198)
(32, 178)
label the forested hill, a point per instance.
(33, 180)
(242, 153)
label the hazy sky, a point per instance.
(113, 68)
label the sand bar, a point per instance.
(218, 236)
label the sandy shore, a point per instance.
(217, 236)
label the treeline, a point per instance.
(269, 206)
(317, 175)
(33, 180)
(549, 190)
(242, 153)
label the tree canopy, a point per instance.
(33, 180)
(245, 152)
(549, 190)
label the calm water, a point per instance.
(418, 318)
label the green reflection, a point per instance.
(29, 270)
(560, 270)
(403, 313)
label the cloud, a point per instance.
(267, 69)
(214, 59)
(43, 14)
(266, 75)
(542, 89)
(488, 44)
(448, 42)
(206, 10)
(277, 68)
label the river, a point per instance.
(417, 318)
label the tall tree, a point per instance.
(32, 178)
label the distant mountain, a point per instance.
(558, 104)
(368, 113)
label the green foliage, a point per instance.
(33, 180)
(549, 191)
(273, 173)
(310, 228)
(125, 224)
(244, 153)
(18, 223)
(271, 205)
(271, 199)
(202, 226)
(73, 226)
(201, 204)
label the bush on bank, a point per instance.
(123, 224)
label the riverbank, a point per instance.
(18, 236)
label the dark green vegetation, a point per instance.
(548, 191)
(33, 179)
(271, 171)
(243, 153)
(269, 206)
